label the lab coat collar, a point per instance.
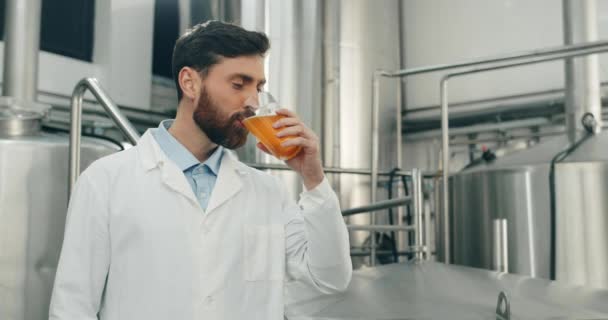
(152, 157)
(229, 180)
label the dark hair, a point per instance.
(206, 43)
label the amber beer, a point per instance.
(261, 128)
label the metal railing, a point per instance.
(498, 62)
(268, 166)
(419, 247)
(109, 106)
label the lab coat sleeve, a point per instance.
(316, 240)
(85, 256)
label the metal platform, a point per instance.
(430, 290)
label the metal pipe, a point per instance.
(21, 46)
(500, 254)
(427, 228)
(569, 83)
(375, 156)
(417, 200)
(445, 171)
(550, 56)
(365, 253)
(490, 60)
(331, 86)
(581, 76)
(121, 121)
(528, 57)
(481, 128)
(330, 169)
(356, 227)
(370, 208)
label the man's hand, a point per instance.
(307, 162)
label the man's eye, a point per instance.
(237, 86)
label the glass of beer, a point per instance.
(260, 126)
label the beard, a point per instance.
(222, 130)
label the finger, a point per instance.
(300, 141)
(300, 130)
(262, 147)
(286, 122)
(287, 112)
(291, 131)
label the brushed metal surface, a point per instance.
(582, 215)
(432, 290)
(33, 205)
(519, 195)
(516, 188)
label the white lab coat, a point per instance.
(137, 244)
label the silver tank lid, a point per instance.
(18, 122)
(595, 149)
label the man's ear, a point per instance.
(189, 82)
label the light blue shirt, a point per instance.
(200, 176)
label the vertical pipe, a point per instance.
(581, 74)
(75, 133)
(22, 39)
(500, 252)
(417, 205)
(331, 88)
(445, 168)
(401, 100)
(375, 155)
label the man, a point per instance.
(177, 228)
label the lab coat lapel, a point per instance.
(175, 179)
(153, 157)
(228, 182)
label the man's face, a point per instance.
(228, 95)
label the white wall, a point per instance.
(122, 57)
(446, 31)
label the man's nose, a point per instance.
(252, 102)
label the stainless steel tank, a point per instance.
(582, 214)
(421, 291)
(516, 188)
(33, 205)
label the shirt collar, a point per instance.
(179, 154)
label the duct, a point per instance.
(365, 46)
(581, 74)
